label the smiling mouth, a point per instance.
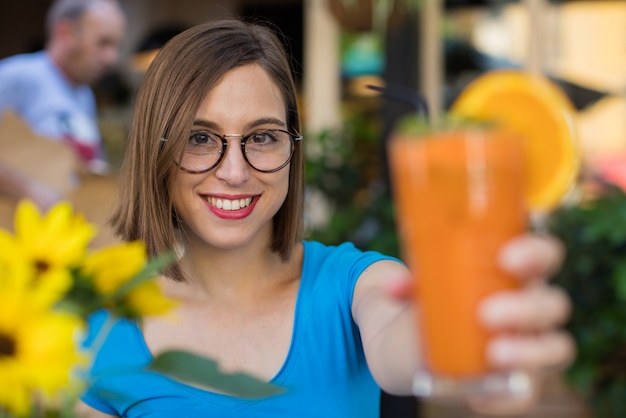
(227, 204)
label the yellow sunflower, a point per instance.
(114, 266)
(44, 290)
(147, 299)
(38, 346)
(52, 244)
(58, 239)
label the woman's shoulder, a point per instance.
(317, 246)
(344, 249)
(344, 257)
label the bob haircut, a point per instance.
(177, 81)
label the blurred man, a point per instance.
(51, 89)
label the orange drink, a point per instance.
(459, 197)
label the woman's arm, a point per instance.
(388, 327)
(389, 331)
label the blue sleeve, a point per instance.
(340, 268)
(356, 262)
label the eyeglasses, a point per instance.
(266, 151)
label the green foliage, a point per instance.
(347, 167)
(594, 275)
(191, 368)
(416, 125)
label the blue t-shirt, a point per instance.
(33, 87)
(325, 372)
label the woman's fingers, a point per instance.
(525, 323)
(532, 256)
(537, 307)
(526, 351)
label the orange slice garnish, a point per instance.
(542, 116)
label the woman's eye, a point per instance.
(263, 137)
(201, 138)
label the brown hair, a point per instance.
(187, 67)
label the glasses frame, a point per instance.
(244, 138)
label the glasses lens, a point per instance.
(202, 152)
(268, 150)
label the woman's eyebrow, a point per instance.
(266, 121)
(251, 125)
(206, 124)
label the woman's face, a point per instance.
(232, 205)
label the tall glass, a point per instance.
(459, 198)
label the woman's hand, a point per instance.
(527, 321)
(534, 313)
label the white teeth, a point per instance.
(229, 204)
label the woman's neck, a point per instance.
(242, 274)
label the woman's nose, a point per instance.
(233, 168)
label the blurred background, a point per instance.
(335, 50)
(433, 48)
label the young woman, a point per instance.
(214, 168)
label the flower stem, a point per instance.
(100, 338)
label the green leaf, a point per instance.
(153, 268)
(191, 368)
(594, 276)
(619, 281)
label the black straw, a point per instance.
(403, 94)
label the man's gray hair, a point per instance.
(70, 10)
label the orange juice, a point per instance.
(459, 198)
